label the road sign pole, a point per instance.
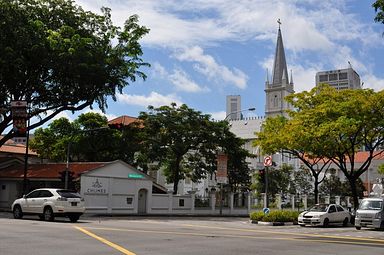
(266, 186)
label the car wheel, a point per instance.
(17, 212)
(48, 214)
(358, 228)
(345, 222)
(326, 222)
(73, 218)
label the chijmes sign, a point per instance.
(135, 176)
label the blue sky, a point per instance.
(200, 51)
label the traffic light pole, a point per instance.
(67, 166)
(66, 180)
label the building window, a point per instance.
(129, 200)
(343, 76)
(181, 202)
(323, 77)
(333, 76)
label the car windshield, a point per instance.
(371, 205)
(319, 208)
(68, 193)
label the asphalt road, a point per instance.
(175, 236)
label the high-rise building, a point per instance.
(233, 107)
(339, 79)
(280, 87)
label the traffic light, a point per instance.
(262, 175)
(71, 176)
(117, 126)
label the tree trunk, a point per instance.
(352, 183)
(316, 191)
(176, 176)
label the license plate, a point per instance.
(74, 203)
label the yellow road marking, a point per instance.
(289, 233)
(352, 240)
(115, 246)
(276, 232)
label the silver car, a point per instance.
(48, 203)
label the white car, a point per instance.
(48, 203)
(323, 215)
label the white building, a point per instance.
(233, 107)
(339, 79)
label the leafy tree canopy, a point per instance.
(185, 142)
(379, 9)
(341, 123)
(58, 57)
(88, 139)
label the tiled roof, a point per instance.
(362, 156)
(15, 149)
(125, 120)
(48, 171)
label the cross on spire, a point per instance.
(278, 21)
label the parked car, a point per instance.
(323, 215)
(48, 203)
(370, 213)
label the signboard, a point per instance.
(221, 173)
(268, 161)
(19, 117)
(135, 176)
(96, 186)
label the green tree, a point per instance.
(294, 136)
(341, 123)
(360, 188)
(185, 142)
(88, 139)
(379, 9)
(331, 186)
(279, 181)
(302, 182)
(58, 57)
(52, 142)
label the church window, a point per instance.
(275, 101)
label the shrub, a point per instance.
(256, 216)
(275, 216)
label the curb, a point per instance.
(264, 223)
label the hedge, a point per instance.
(275, 216)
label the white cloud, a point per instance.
(179, 78)
(183, 83)
(155, 99)
(208, 66)
(373, 82)
(218, 115)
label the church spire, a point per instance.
(280, 65)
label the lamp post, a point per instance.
(225, 159)
(249, 109)
(66, 180)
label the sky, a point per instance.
(200, 51)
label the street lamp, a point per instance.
(66, 180)
(249, 109)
